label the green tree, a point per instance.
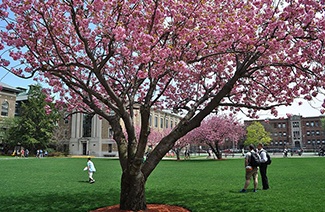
(6, 143)
(256, 133)
(34, 127)
(322, 121)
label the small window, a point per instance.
(110, 133)
(150, 120)
(156, 121)
(4, 108)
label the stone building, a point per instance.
(91, 135)
(8, 102)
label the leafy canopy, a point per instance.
(34, 126)
(256, 134)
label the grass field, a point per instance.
(59, 184)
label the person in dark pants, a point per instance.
(263, 166)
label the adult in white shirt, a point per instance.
(263, 166)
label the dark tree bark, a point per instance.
(132, 195)
(216, 150)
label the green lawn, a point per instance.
(59, 184)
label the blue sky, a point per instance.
(13, 80)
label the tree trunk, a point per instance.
(216, 150)
(132, 195)
(177, 154)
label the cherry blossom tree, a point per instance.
(216, 130)
(194, 57)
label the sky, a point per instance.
(307, 109)
(14, 81)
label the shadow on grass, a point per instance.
(198, 200)
(73, 201)
(83, 181)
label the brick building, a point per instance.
(294, 132)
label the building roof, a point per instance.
(8, 88)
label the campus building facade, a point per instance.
(294, 132)
(8, 95)
(91, 135)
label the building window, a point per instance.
(110, 133)
(295, 124)
(312, 133)
(316, 123)
(110, 148)
(296, 134)
(284, 134)
(312, 124)
(308, 141)
(87, 124)
(4, 108)
(307, 123)
(283, 125)
(156, 121)
(161, 123)
(171, 124)
(308, 133)
(150, 120)
(279, 125)
(317, 132)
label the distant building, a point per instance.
(8, 99)
(91, 135)
(294, 132)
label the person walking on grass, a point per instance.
(263, 166)
(251, 170)
(91, 169)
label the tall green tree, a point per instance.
(256, 133)
(34, 127)
(5, 142)
(322, 121)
